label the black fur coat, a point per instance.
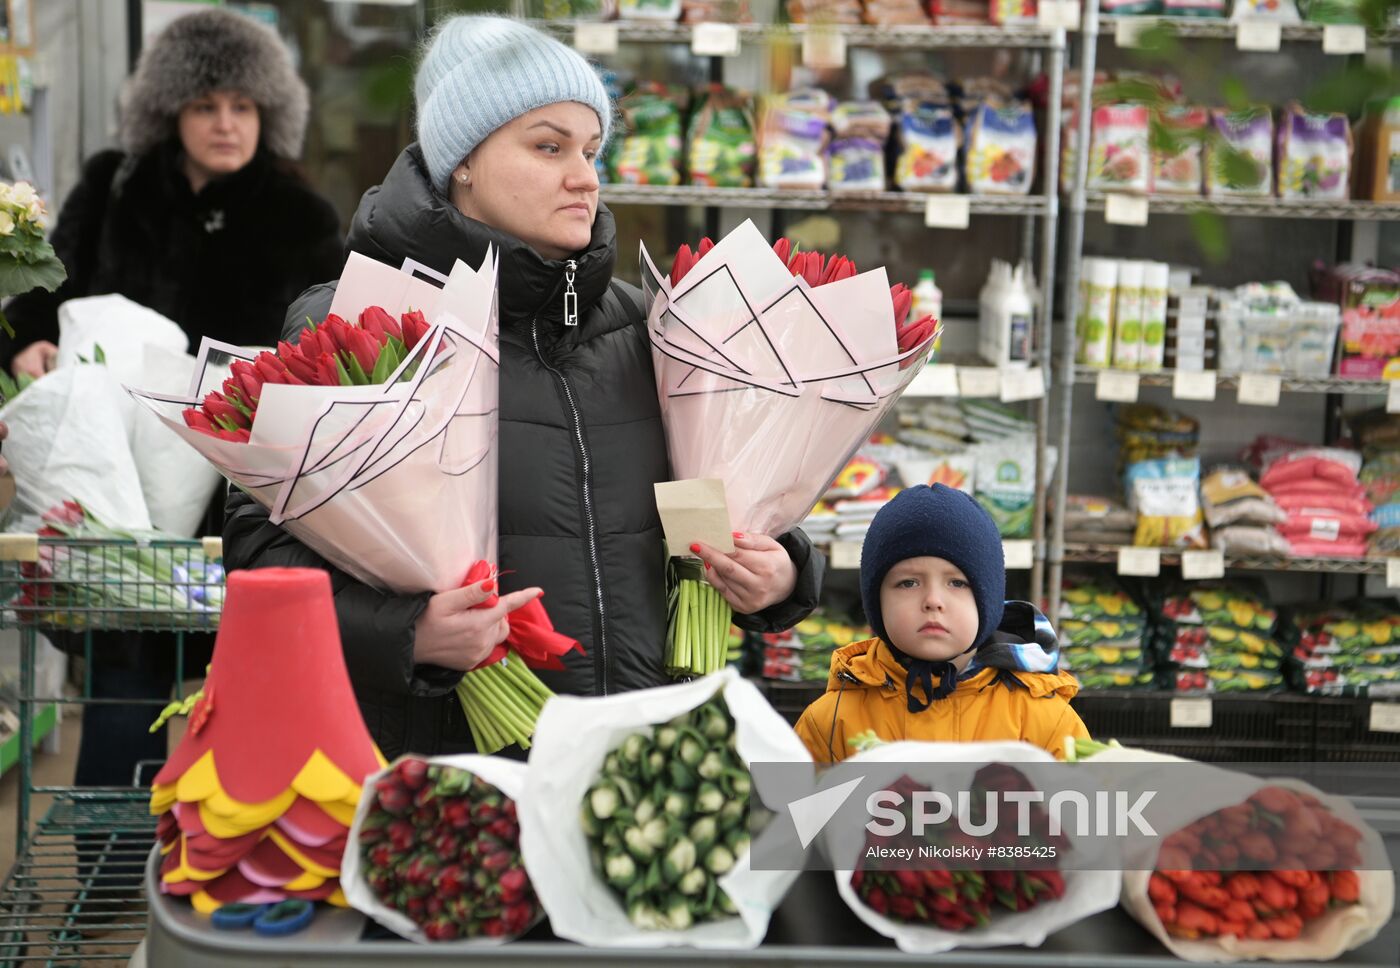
(225, 263)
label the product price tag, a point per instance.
(595, 38)
(1191, 714)
(1392, 573)
(1019, 555)
(1385, 717)
(1264, 35)
(1129, 30)
(1122, 209)
(714, 40)
(845, 555)
(1140, 562)
(934, 380)
(1343, 39)
(1187, 385)
(1260, 389)
(979, 381)
(947, 211)
(823, 48)
(19, 547)
(213, 548)
(1022, 384)
(1199, 565)
(1392, 397)
(1325, 529)
(1066, 14)
(1116, 386)
(694, 511)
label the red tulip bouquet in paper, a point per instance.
(772, 366)
(375, 445)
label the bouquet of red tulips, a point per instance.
(772, 366)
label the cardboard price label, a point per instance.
(1065, 14)
(1125, 209)
(1260, 389)
(934, 380)
(1392, 573)
(1116, 386)
(1199, 565)
(1129, 30)
(1385, 717)
(694, 511)
(1019, 555)
(1392, 397)
(1259, 35)
(845, 555)
(979, 381)
(595, 38)
(714, 40)
(1191, 714)
(1187, 385)
(1017, 385)
(824, 49)
(1343, 39)
(948, 211)
(1140, 562)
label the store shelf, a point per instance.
(45, 721)
(1108, 554)
(1263, 207)
(877, 38)
(1203, 28)
(60, 906)
(1165, 378)
(700, 195)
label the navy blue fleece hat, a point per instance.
(936, 522)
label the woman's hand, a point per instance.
(758, 574)
(453, 633)
(35, 360)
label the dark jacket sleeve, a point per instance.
(376, 628)
(811, 566)
(75, 240)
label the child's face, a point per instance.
(928, 609)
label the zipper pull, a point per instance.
(570, 296)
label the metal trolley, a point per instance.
(71, 897)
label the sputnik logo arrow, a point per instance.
(811, 813)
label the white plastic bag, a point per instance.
(1336, 932)
(1087, 892)
(122, 329)
(508, 776)
(573, 737)
(69, 440)
(176, 480)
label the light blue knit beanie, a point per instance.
(482, 72)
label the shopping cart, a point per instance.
(69, 898)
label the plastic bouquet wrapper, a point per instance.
(255, 803)
(1306, 899)
(102, 573)
(434, 852)
(375, 445)
(635, 823)
(772, 367)
(937, 909)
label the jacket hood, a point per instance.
(405, 217)
(214, 50)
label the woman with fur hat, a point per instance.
(204, 216)
(205, 219)
(510, 123)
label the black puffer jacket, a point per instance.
(581, 444)
(222, 263)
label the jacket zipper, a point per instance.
(601, 664)
(570, 296)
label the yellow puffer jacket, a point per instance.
(866, 692)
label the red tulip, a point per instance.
(239, 436)
(783, 248)
(197, 420)
(224, 414)
(685, 261)
(706, 244)
(297, 363)
(380, 324)
(837, 269)
(415, 327)
(326, 373)
(903, 302)
(364, 347)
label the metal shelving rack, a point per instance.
(1051, 41)
(73, 895)
(1081, 201)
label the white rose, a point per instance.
(22, 195)
(7, 224)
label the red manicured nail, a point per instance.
(707, 566)
(695, 547)
(489, 585)
(738, 534)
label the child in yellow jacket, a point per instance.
(951, 660)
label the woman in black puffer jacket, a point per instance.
(510, 122)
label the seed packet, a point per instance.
(792, 140)
(650, 152)
(856, 165)
(1249, 133)
(1177, 168)
(722, 149)
(1314, 154)
(1001, 149)
(1281, 11)
(1165, 494)
(929, 137)
(1119, 159)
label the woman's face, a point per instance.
(219, 132)
(534, 179)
